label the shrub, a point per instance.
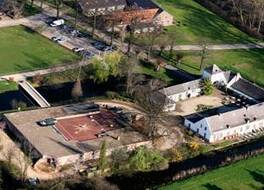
(144, 159)
(208, 87)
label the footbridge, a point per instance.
(33, 93)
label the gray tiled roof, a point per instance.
(145, 4)
(176, 89)
(95, 4)
(236, 117)
(249, 89)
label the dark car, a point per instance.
(47, 122)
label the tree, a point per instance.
(102, 162)
(152, 102)
(58, 4)
(77, 88)
(144, 159)
(94, 22)
(175, 154)
(127, 69)
(76, 9)
(151, 38)
(203, 55)
(119, 159)
(208, 87)
(101, 68)
(13, 8)
(112, 21)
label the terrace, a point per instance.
(67, 137)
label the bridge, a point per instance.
(33, 93)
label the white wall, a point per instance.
(222, 134)
(237, 131)
(201, 128)
(164, 19)
(218, 77)
(184, 95)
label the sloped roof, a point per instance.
(176, 89)
(94, 4)
(145, 4)
(249, 89)
(229, 119)
(213, 69)
(236, 117)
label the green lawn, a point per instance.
(7, 86)
(22, 49)
(248, 62)
(244, 175)
(149, 69)
(195, 24)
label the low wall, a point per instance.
(190, 167)
(93, 155)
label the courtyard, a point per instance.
(200, 103)
(22, 49)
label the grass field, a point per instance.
(7, 86)
(21, 49)
(248, 62)
(195, 24)
(244, 175)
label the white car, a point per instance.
(78, 49)
(58, 22)
(59, 39)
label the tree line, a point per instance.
(248, 15)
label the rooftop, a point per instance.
(52, 141)
(249, 89)
(230, 117)
(95, 4)
(179, 88)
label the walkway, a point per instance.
(215, 47)
(34, 94)
(23, 76)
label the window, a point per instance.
(201, 125)
(204, 135)
(205, 128)
(197, 130)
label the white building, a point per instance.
(234, 82)
(181, 92)
(226, 125)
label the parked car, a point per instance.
(58, 22)
(87, 54)
(47, 122)
(102, 46)
(78, 49)
(59, 39)
(75, 32)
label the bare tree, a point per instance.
(152, 37)
(58, 4)
(127, 69)
(152, 102)
(14, 8)
(203, 54)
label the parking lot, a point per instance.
(68, 37)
